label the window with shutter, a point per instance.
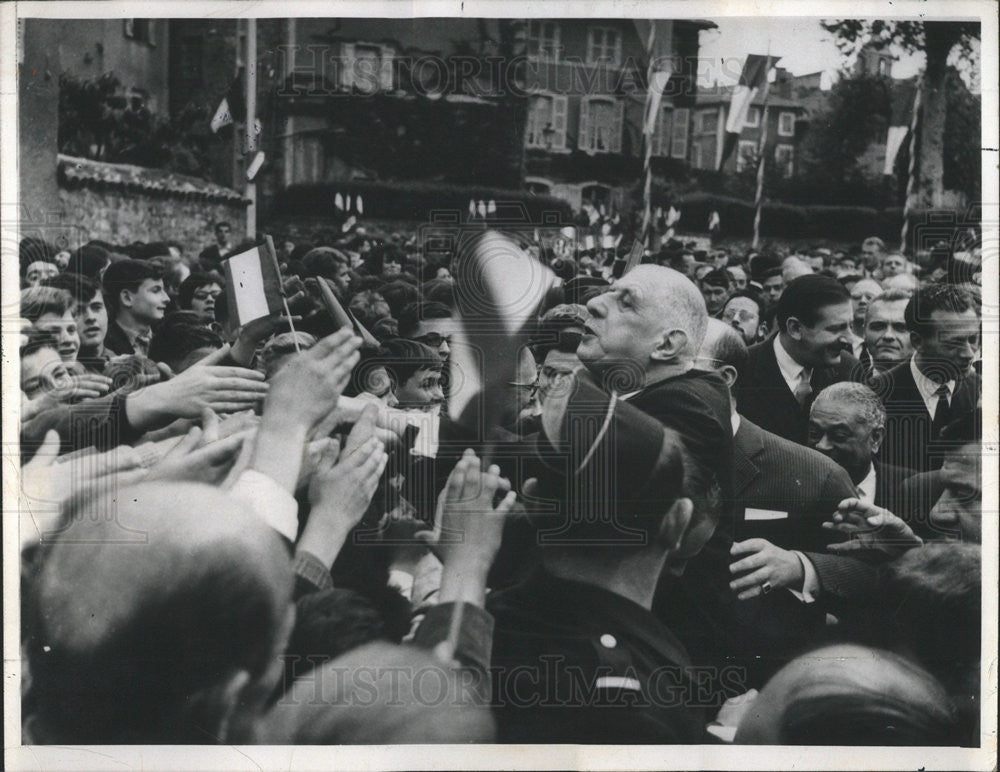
(661, 134)
(560, 108)
(696, 156)
(540, 117)
(543, 40)
(601, 133)
(679, 137)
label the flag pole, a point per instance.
(647, 136)
(911, 176)
(284, 298)
(761, 146)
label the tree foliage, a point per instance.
(857, 113)
(96, 120)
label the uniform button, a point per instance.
(608, 641)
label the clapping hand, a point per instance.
(870, 527)
(468, 527)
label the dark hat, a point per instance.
(610, 473)
(761, 266)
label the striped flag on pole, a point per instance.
(752, 78)
(253, 285)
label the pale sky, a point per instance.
(803, 45)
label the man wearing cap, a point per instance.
(808, 354)
(578, 657)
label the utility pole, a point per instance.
(250, 145)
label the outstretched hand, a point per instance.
(869, 527)
(468, 527)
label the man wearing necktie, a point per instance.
(937, 385)
(809, 352)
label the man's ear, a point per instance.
(915, 340)
(794, 328)
(671, 345)
(125, 298)
(729, 375)
(878, 436)
(674, 525)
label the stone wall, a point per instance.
(122, 216)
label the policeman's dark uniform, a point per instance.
(574, 663)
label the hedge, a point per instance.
(416, 200)
(785, 220)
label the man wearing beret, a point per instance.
(578, 656)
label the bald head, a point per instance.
(652, 317)
(138, 614)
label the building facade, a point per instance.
(783, 122)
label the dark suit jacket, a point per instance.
(773, 476)
(696, 406)
(889, 481)
(908, 441)
(763, 396)
(117, 341)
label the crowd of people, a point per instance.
(724, 498)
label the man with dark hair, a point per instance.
(90, 260)
(136, 299)
(743, 310)
(91, 317)
(329, 263)
(554, 347)
(179, 344)
(199, 293)
(212, 255)
(772, 284)
(937, 384)
(429, 323)
(38, 261)
(578, 656)
(415, 371)
(715, 288)
(887, 340)
(808, 354)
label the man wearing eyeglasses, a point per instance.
(429, 323)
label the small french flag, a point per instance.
(253, 286)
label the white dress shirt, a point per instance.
(793, 373)
(866, 488)
(927, 387)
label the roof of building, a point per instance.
(84, 171)
(713, 95)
